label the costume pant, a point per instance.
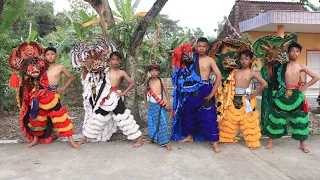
(199, 116)
(235, 118)
(290, 106)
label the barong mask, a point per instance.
(26, 58)
(275, 54)
(96, 61)
(227, 52)
(272, 49)
(229, 63)
(187, 54)
(182, 55)
(23, 51)
(33, 66)
(80, 53)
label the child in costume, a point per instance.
(290, 104)
(194, 102)
(272, 51)
(103, 104)
(40, 107)
(240, 104)
(55, 71)
(153, 100)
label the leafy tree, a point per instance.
(9, 12)
(39, 15)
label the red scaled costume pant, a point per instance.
(51, 115)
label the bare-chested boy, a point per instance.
(241, 112)
(59, 118)
(153, 100)
(119, 115)
(199, 111)
(291, 104)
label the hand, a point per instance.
(302, 89)
(59, 90)
(207, 98)
(147, 105)
(251, 96)
(167, 106)
(120, 94)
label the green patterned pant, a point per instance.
(288, 107)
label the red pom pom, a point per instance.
(14, 80)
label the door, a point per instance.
(313, 63)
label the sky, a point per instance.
(191, 13)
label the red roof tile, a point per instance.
(243, 10)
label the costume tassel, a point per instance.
(14, 80)
(34, 112)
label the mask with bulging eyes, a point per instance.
(33, 66)
(275, 54)
(95, 62)
(187, 54)
(229, 63)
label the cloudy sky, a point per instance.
(190, 13)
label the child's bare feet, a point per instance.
(83, 140)
(303, 147)
(169, 148)
(270, 144)
(254, 148)
(73, 144)
(33, 142)
(139, 143)
(187, 139)
(148, 142)
(216, 148)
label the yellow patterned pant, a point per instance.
(234, 119)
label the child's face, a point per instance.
(51, 56)
(202, 47)
(154, 73)
(294, 53)
(245, 61)
(115, 61)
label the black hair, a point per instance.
(294, 44)
(246, 52)
(115, 53)
(153, 66)
(202, 39)
(50, 49)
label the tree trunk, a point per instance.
(1, 7)
(132, 100)
(131, 60)
(103, 9)
(146, 23)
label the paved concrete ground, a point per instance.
(117, 160)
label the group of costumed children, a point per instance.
(203, 109)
